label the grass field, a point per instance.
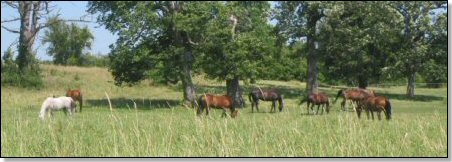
(148, 120)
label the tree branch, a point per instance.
(16, 19)
(11, 4)
(10, 30)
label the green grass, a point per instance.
(159, 126)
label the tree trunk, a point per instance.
(187, 82)
(411, 85)
(26, 38)
(313, 72)
(234, 91)
(181, 40)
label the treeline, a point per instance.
(347, 43)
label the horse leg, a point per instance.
(307, 108)
(379, 115)
(257, 105)
(372, 113)
(273, 109)
(343, 105)
(322, 109)
(358, 112)
(252, 106)
(81, 102)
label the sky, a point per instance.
(68, 10)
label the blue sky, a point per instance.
(68, 10)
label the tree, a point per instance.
(413, 47)
(30, 15)
(236, 41)
(154, 37)
(300, 20)
(435, 68)
(67, 42)
(358, 39)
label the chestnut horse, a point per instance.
(378, 104)
(76, 95)
(223, 102)
(353, 95)
(317, 99)
(266, 95)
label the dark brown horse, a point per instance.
(319, 99)
(378, 104)
(76, 95)
(223, 102)
(266, 95)
(353, 95)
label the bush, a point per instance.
(13, 77)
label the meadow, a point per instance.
(148, 120)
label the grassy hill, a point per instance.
(148, 120)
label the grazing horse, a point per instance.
(52, 104)
(353, 95)
(378, 104)
(266, 95)
(223, 102)
(76, 95)
(317, 99)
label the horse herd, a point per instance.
(364, 99)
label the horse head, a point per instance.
(340, 92)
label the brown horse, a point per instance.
(266, 95)
(317, 99)
(223, 102)
(353, 95)
(76, 95)
(378, 104)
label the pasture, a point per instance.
(148, 121)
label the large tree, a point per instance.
(237, 40)
(154, 37)
(435, 68)
(300, 21)
(358, 38)
(67, 42)
(414, 46)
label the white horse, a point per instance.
(52, 104)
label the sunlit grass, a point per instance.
(160, 126)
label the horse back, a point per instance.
(216, 101)
(266, 94)
(75, 94)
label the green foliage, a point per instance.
(240, 53)
(12, 76)
(435, 68)
(67, 42)
(353, 48)
(154, 37)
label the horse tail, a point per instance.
(200, 105)
(388, 109)
(43, 109)
(338, 94)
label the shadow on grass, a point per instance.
(123, 103)
(288, 92)
(424, 98)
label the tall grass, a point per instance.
(148, 121)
